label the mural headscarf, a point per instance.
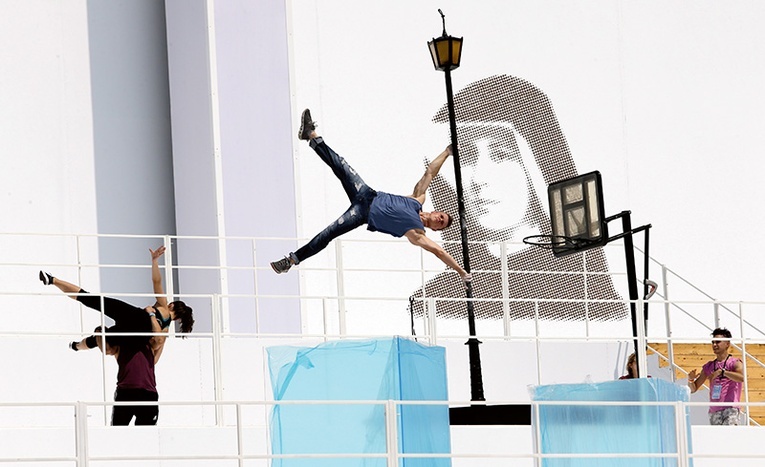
(511, 147)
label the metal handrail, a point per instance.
(82, 430)
(220, 331)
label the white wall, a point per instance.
(46, 118)
(661, 97)
(48, 177)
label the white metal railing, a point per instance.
(338, 269)
(334, 313)
(429, 323)
(253, 441)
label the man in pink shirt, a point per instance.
(726, 375)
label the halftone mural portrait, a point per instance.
(511, 147)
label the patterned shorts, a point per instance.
(729, 416)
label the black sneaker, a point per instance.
(73, 346)
(306, 126)
(46, 278)
(281, 266)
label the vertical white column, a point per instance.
(220, 218)
(232, 153)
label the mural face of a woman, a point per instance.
(501, 182)
(494, 177)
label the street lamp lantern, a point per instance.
(446, 50)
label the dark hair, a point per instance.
(449, 222)
(630, 360)
(184, 313)
(722, 332)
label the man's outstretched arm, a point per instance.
(422, 186)
(418, 237)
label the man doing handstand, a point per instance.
(400, 216)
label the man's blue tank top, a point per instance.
(394, 215)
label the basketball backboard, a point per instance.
(577, 214)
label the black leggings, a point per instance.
(127, 318)
(359, 194)
(144, 414)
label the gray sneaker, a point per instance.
(306, 126)
(281, 266)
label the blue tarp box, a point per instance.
(364, 370)
(614, 429)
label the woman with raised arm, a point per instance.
(129, 318)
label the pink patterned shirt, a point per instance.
(722, 389)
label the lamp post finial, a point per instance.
(443, 21)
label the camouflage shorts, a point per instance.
(729, 416)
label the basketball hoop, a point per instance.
(560, 244)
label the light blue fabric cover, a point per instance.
(609, 429)
(378, 369)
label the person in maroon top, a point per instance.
(136, 380)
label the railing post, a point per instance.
(255, 284)
(536, 408)
(744, 355)
(81, 433)
(717, 313)
(537, 343)
(641, 339)
(170, 288)
(586, 296)
(668, 324)
(391, 429)
(431, 310)
(505, 287)
(681, 432)
(423, 282)
(216, 357)
(169, 279)
(325, 318)
(239, 435)
(104, 383)
(78, 257)
(340, 285)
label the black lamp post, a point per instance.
(446, 52)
